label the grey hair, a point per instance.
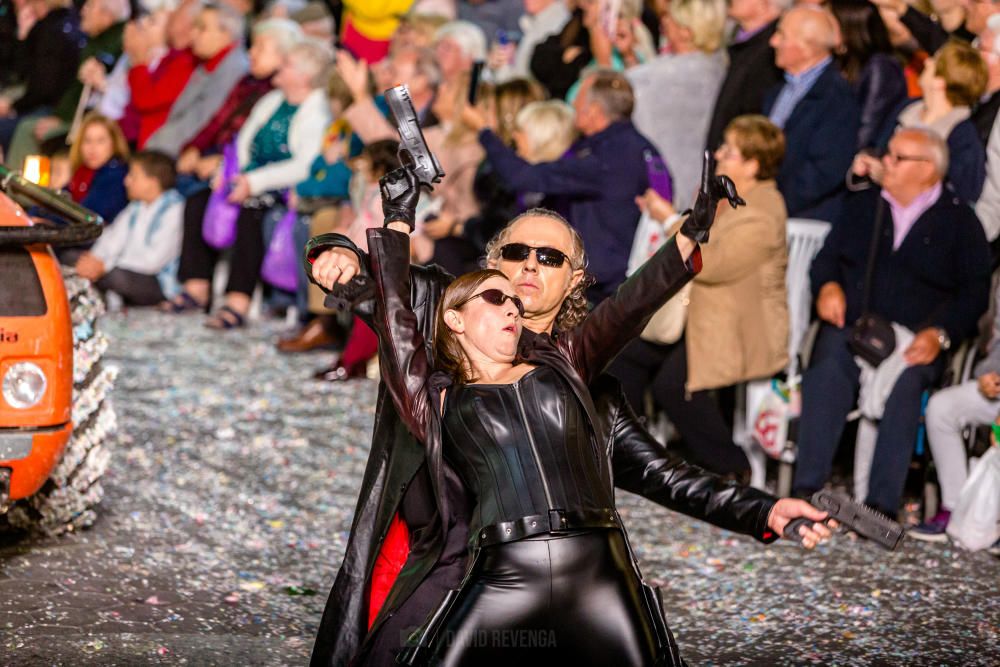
(469, 36)
(285, 32)
(782, 5)
(230, 20)
(575, 307)
(611, 91)
(936, 145)
(315, 54)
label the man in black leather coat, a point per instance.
(396, 474)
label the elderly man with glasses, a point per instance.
(931, 275)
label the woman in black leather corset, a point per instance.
(551, 568)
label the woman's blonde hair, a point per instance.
(964, 72)
(511, 97)
(448, 353)
(119, 145)
(706, 19)
(549, 128)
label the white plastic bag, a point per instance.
(650, 234)
(974, 523)
(770, 422)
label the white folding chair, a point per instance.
(805, 238)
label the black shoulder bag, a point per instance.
(872, 337)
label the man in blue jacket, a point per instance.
(598, 179)
(817, 111)
(931, 274)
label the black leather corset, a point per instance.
(525, 453)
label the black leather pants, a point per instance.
(550, 600)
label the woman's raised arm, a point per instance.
(403, 357)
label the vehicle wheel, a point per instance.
(66, 501)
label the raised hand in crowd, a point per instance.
(354, 73)
(831, 304)
(989, 385)
(600, 41)
(474, 118)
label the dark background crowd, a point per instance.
(216, 138)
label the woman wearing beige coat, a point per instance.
(737, 316)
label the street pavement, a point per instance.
(230, 496)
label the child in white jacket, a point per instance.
(137, 255)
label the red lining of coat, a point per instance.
(391, 557)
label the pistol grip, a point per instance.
(792, 529)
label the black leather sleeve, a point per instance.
(403, 356)
(620, 318)
(428, 282)
(643, 466)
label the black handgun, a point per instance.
(413, 151)
(855, 516)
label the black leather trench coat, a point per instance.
(633, 460)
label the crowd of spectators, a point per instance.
(216, 130)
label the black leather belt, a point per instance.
(556, 521)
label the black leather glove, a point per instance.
(400, 194)
(713, 190)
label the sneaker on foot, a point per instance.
(932, 530)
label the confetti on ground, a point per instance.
(230, 496)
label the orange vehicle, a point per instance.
(51, 426)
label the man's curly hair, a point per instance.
(575, 308)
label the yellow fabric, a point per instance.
(376, 19)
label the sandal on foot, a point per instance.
(182, 303)
(226, 318)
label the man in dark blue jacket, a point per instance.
(931, 275)
(599, 178)
(817, 111)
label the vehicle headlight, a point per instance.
(24, 385)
